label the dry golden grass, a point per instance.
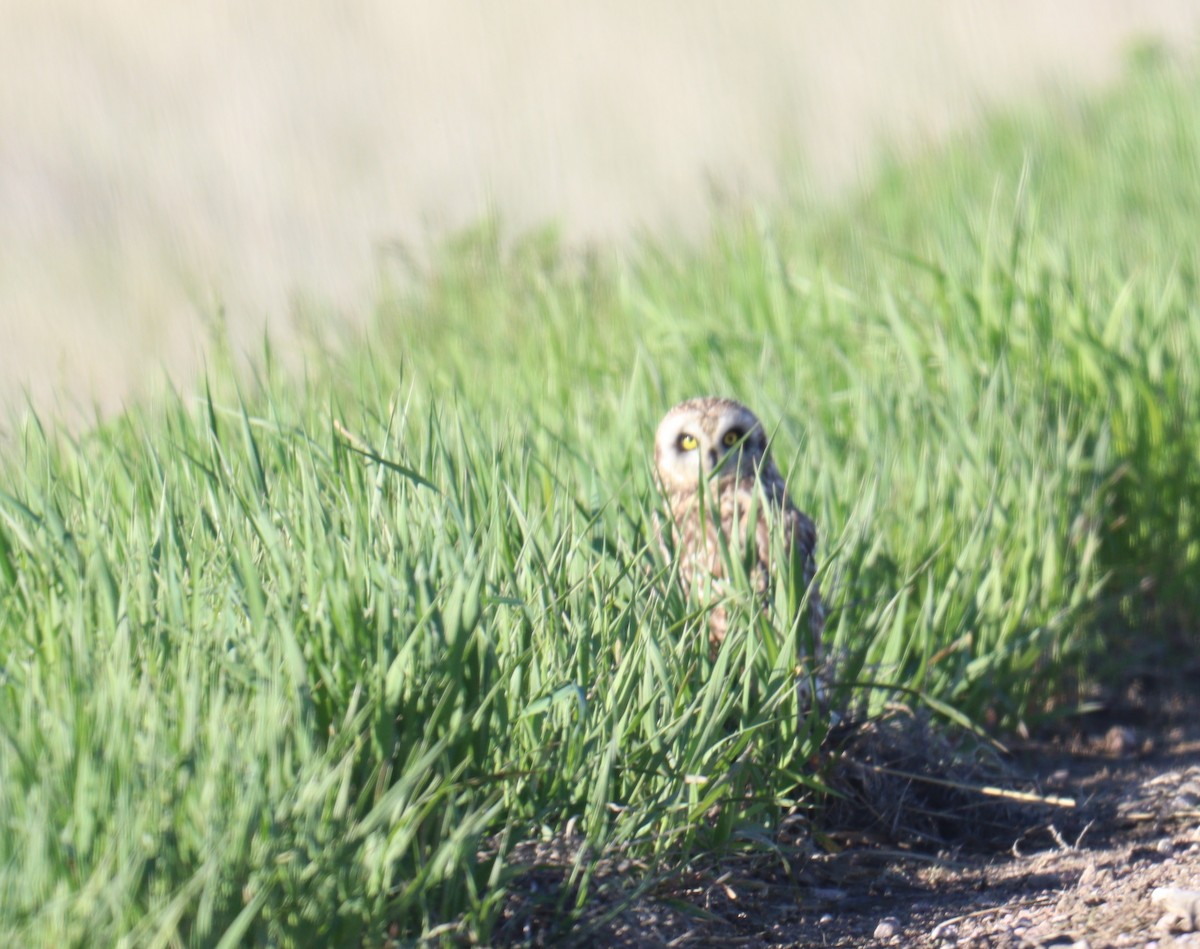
(155, 164)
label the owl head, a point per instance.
(708, 437)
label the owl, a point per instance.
(718, 446)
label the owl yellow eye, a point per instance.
(731, 437)
(687, 442)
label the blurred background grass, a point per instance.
(160, 166)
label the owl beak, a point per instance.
(712, 459)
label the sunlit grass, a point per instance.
(299, 659)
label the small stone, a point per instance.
(1120, 740)
(1166, 845)
(1183, 908)
(887, 928)
(1058, 940)
(1059, 779)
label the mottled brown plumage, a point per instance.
(702, 436)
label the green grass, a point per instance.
(265, 681)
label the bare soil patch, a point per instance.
(1100, 826)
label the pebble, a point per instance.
(1183, 908)
(1059, 779)
(1120, 740)
(887, 928)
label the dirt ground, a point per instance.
(1082, 875)
(1094, 843)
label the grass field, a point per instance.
(300, 659)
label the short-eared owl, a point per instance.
(720, 444)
